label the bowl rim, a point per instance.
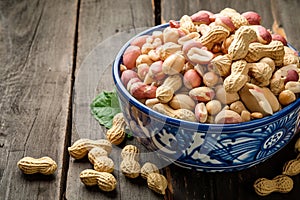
(187, 124)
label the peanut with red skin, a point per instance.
(292, 75)
(279, 77)
(253, 18)
(201, 17)
(127, 75)
(190, 44)
(279, 38)
(174, 24)
(130, 55)
(155, 73)
(191, 79)
(141, 90)
(263, 35)
(226, 22)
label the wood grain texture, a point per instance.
(36, 55)
(286, 14)
(104, 27)
(99, 20)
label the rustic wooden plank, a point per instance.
(104, 26)
(188, 184)
(101, 19)
(286, 15)
(36, 53)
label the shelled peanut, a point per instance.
(208, 57)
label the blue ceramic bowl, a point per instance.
(206, 147)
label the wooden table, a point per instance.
(56, 56)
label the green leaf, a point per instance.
(104, 107)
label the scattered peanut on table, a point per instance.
(81, 147)
(99, 158)
(210, 57)
(44, 165)
(105, 181)
(116, 134)
(280, 183)
(130, 166)
(292, 167)
(155, 181)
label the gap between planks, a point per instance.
(66, 157)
